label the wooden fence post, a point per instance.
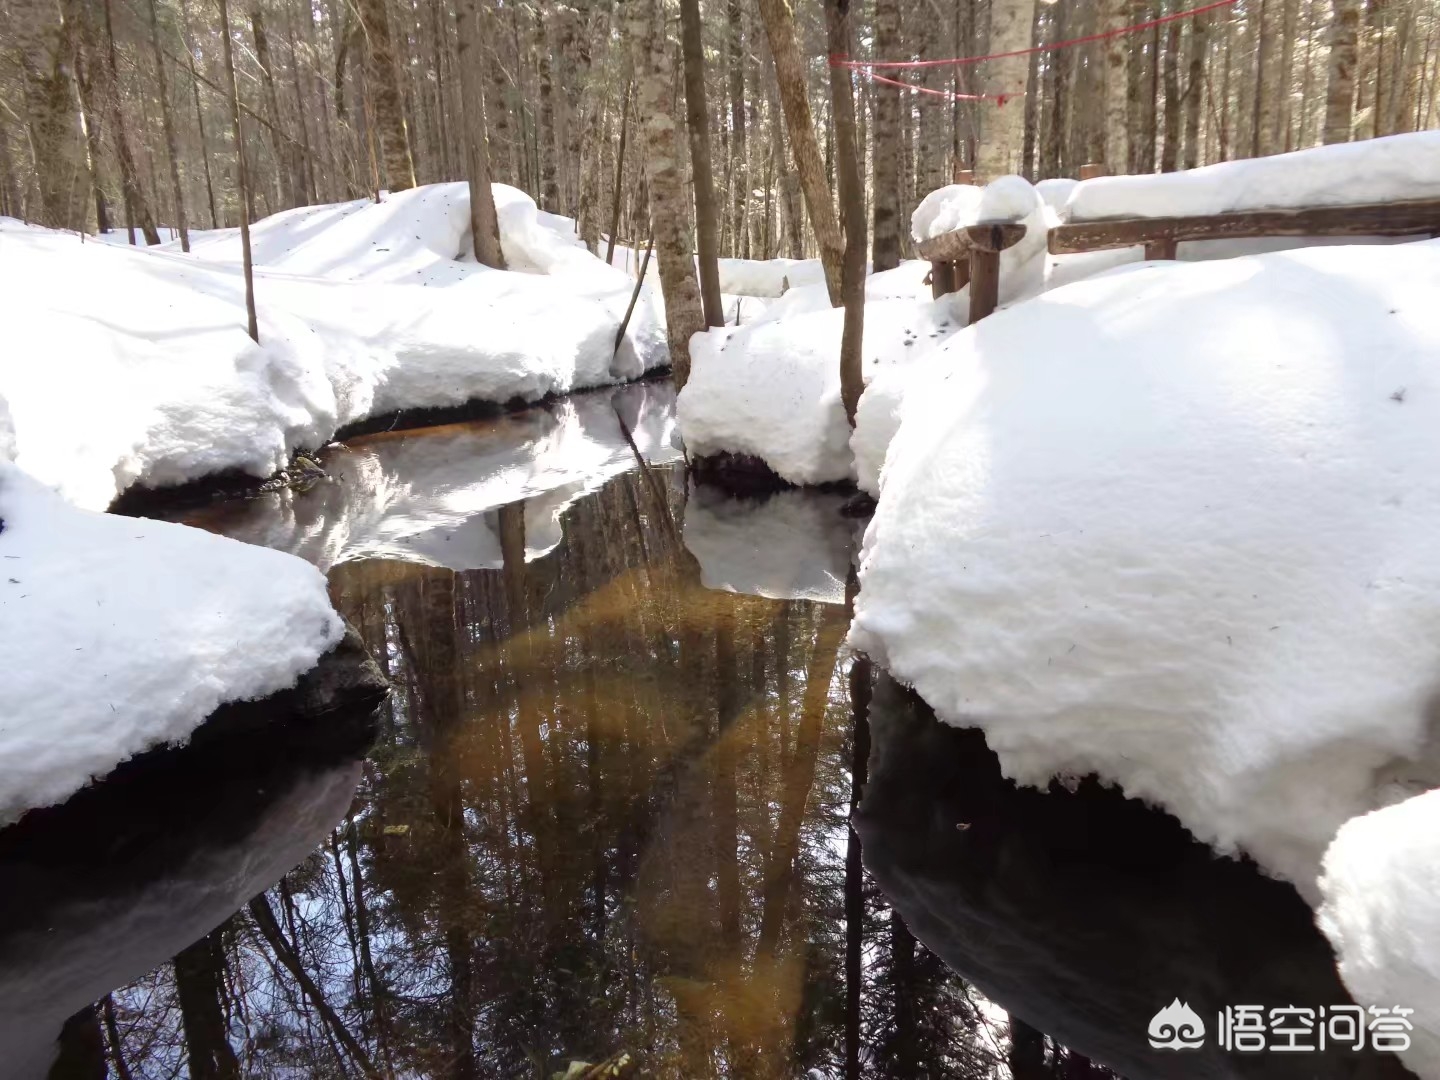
(1091, 171)
(986, 243)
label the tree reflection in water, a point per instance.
(607, 810)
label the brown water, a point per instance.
(605, 811)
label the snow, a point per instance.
(1006, 198)
(364, 309)
(1382, 913)
(772, 388)
(133, 633)
(1175, 526)
(768, 277)
(945, 210)
(432, 497)
(1056, 191)
(790, 545)
(1393, 168)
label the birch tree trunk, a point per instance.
(1195, 89)
(1002, 132)
(1117, 131)
(885, 249)
(1340, 91)
(1170, 153)
(388, 109)
(654, 80)
(852, 203)
(779, 22)
(484, 225)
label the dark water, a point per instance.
(607, 810)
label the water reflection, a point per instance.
(606, 811)
(1083, 913)
(114, 882)
(433, 496)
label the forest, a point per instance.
(158, 114)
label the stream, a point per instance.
(607, 810)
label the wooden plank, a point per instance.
(1091, 171)
(1160, 249)
(995, 236)
(984, 283)
(1371, 219)
(947, 247)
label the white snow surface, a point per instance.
(768, 277)
(771, 389)
(1392, 168)
(1006, 198)
(1176, 526)
(123, 634)
(364, 309)
(1381, 885)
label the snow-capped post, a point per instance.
(987, 240)
(241, 181)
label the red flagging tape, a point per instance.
(1105, 35)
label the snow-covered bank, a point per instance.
(432, 497)
(771, 389)
(1382, 913)
(364, 309)
(122, 635)
(1176, 526)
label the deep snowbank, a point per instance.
(1375, 170)
(364, 309)
(1176, 526)
(124, 634)
(771, 389)
(1382, 913)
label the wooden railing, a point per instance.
(971, 255)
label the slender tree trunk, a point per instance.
(168, 123)
(387, 106)
(697, 120)
(1344, 55)
(82, 52)
(739, 151)
(654, 78)
(549, 180)
(852, 205)
(279, 148)
(129, 180)
(1059, 71)
(1003, 132)
(228, 52)
(1170, 152)
(779, 22)
(1117, 61)
(615, 196)
(1195, 88)
(484, 224)
(885, 247)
